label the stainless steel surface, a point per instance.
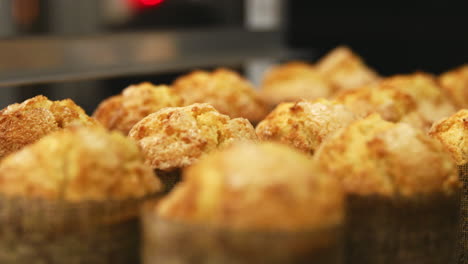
(75, 17)
(52, 59)
(6, 21)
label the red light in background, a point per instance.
(151, 2)
(141, 4)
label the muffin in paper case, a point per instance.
(121, 112)
(402, 193)
(249, 203)
(452, 133)
(226, 90)
(24, 123)
(73, 197)
(175, 137)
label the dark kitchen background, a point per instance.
(88, 50)
(393, 36)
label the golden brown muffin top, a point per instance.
(345, 70)
(264, 186)
(224, 89)
(294, 81)
(123, 111)
(23, 124)
(373, 156)
(304, 124)
(455, 83)
(452, 132)
(175, 137)
(78, 164)
(432, 103)
(390, 103)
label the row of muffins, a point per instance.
(226, 191)
(244, 186)
(176, 137)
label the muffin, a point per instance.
(224, 89)
(455, 83)
(175, 137)
(431, 101)
(452, 132)
(390, 103)
(73, 197)
(345, 70)
(123, 111)
(304, 125)
(294, 81)
(25, 123)
(402, 192)
(223, 211)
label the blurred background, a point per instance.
(90, 49)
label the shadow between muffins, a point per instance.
(169, 178)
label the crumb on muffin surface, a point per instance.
(260, 186)
(225, 90)
(175, 137)
(452, 132)
(121, 112)
(373, 156)
(304, 124)
(24, 123)
(78, 164)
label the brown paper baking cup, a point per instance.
(166, 241)
(463, 254)
(41, 231)
(169, 178)
(401, 230)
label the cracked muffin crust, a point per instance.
(224, 89)
(373, 156)
(24, 123)
(123, 111)
(78, 164)
(345, 70)
(304, 124)
(452, 132)
(175, 137)
(294, 81)
(259, 186)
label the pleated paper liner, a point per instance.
(463, 254)
(169, 178)
(41, 231)
(165, 241)
(402, 230)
